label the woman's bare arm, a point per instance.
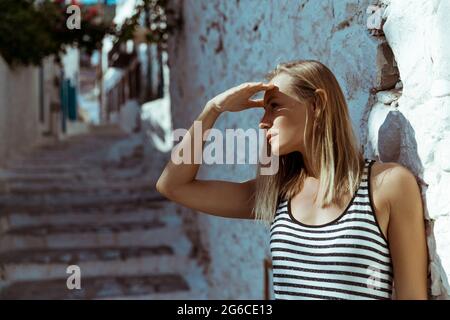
(220, 198)
(407, 236)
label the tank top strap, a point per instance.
(361, 194)
(367, 164)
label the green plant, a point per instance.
(31, 30)
(156, 16)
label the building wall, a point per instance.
(21, 93)
(19, 109)
(411, 125)
(225, 43)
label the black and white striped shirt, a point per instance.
(347, 258)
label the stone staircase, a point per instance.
(65, 204)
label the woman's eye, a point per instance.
(274, 105)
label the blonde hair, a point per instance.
(336, 159)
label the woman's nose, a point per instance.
(264, 123)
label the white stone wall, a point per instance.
(19, 107)
(225, 43)
(411, 125)
(20, 123)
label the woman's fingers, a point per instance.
(264, 86)
(256, 103)
(255, 87)
(258, 86)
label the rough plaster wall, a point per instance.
(52, 121)
(19, 107)
(225, 43)
(411, 125)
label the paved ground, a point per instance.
(70, 204)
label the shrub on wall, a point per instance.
(155, 18)
(31, 30)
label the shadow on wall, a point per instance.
(395, 141)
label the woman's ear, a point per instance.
(322, 95)
(320, 101)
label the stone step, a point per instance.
(121, 236)
(65, 159)
(48, 264)
(81, 255)
(61, 189)
(107, 227)
(24, 202)
(7, 176)
(108, 129)
(57, 151)
(50, 178)
(13, 221)
(104, 174)
(47, 167)
(97, 287)
(107, 175)
(197, 284)
(112, 206)
(70, 151)
(179, 295)
(100, 182)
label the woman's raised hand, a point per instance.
(238, 98)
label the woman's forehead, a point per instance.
(282, 87)
(282, 81)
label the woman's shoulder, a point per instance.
(391, 172)
(392, 181)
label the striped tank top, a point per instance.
(347, 258)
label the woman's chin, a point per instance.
(275, 149)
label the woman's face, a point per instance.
(284, 117)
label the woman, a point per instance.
(342, 226)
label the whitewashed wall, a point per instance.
(20, 123)
(225, 43)
(19, 107)
(411, 125)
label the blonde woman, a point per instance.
(341, 226)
